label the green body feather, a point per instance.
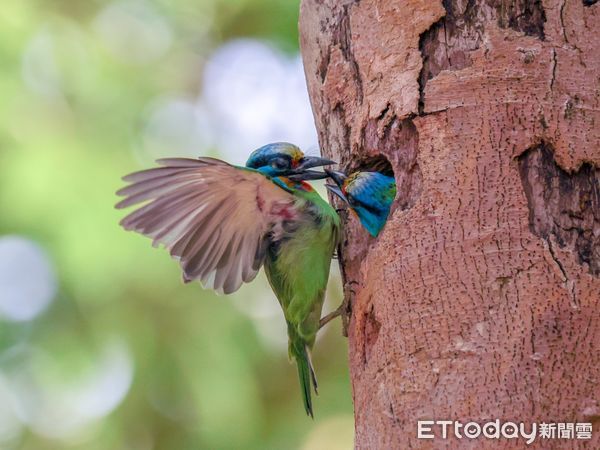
(297, 268)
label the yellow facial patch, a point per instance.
(348, 181)
(296, 155)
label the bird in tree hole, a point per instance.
(369, 194)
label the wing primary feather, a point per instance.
(184, 176)
(153, 211)
(224, 265)
(209, 262)
(197, 253)
(188, 162)
(199, 227)
(205, 212)
(178, 162)
(166, 215)
(261, 251)
(157, 206)
(213, 161)
(154, 189)
(234, 278)
(194, 267)
(175, 229)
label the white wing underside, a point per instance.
(215, 219)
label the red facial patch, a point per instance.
(305, 186)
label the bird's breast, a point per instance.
(301, 221)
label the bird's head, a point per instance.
(282, 159)
(369, 195)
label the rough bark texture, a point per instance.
(481, 298)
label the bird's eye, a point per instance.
(280, 163)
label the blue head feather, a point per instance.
(370, 195)
(275, 159)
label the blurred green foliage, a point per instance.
(205, 374)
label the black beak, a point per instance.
(308, 162)
(337, 191)
(338, 177)
(301, 172)
(307, 175)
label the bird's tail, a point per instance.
(306, 373)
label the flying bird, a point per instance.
(224, 222)
(369, 195)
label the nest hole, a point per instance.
(378, 163)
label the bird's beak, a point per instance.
(301, 172)
(338, 177)
(307, 175)
(308, 162)
(337, 191)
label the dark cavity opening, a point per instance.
(378, 163)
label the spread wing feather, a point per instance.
(216, 219)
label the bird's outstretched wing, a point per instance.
(215, 218)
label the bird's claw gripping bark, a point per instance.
(332, 315)
(343, 310)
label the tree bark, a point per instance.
(480, 300)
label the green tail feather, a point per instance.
(306, 373)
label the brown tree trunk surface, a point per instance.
(480, 299)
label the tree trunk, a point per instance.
(480, 298)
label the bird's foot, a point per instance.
(332, 315)
(344, 311)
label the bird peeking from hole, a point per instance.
(369, 195)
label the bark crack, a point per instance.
(553, 70)
(562, 21)
(569, 286)
(342, 36)
(370, 329)
(562, 205)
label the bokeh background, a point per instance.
(101, 345)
